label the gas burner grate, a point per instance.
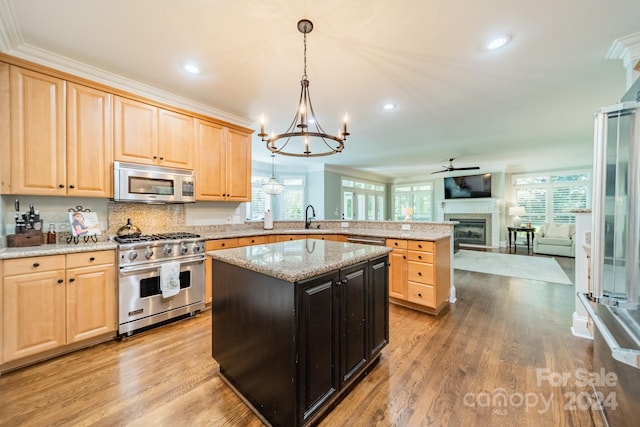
(153, 237)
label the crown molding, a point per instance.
(11, 43)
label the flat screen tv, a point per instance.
(467, 186)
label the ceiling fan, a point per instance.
(451, 168)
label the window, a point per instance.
(550, 197)
(291, 199)
(416, 196)
(362, 200)
(260, 201)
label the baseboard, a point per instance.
(580, 327)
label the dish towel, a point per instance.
(170, 279)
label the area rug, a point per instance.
(526, 267)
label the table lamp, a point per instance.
(516, 212)
(408, 212)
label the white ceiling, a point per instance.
(528, 106)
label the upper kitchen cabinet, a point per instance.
(37, 134)
(151, 135)
(89, 142)
(60, 137)
(223, 169)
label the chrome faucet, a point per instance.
(307, 220)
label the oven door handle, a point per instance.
(154, 265)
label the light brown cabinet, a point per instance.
(60, 138)
(419, 275)
(51, 302)
(89, 142)
(151, 135)
(397, 269)
(223, 167)
(38, 128)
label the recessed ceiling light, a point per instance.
(498, 42)
(192, 69)
(389, 106)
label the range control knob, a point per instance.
(197, 248)
(148, 253)
(132, 255)
(183, 248)
(167, 249)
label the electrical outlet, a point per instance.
(406, 226)
(344, 224)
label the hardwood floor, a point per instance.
(477, 364)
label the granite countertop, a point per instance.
(56, 249)
(64, 248)
(368, 232)
(297, 260)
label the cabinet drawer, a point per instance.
(420, 256)
(212, 245)
(395, 243)
(422, 294)
(33, 264)
(287, 237)
(421, 245)
(85, 259)
(253, 240)
(420, 272)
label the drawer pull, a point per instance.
(222, 244)
(92, 258)
(419, 256)
(419, 273)
(419, 294)
(72, 280)
(60, 280)
(404, 257)
(395, 243)
(36, 264)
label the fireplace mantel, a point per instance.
(487, 208)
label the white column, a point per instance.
(580, 327)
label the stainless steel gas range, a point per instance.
(145, 263)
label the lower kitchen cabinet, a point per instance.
(52, 302)
(292, 349)
(420, 274)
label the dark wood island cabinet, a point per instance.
(296, 324)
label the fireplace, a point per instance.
(470, 231)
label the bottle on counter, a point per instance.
(51, 234)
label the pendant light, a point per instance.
(272, 187)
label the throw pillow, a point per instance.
(557, 230)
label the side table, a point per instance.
(513, 237)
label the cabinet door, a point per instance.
(89, 142)
(38, 159)
(34, 313)
(176, 141)
(378, 297)
(210, 162)
(91, 302)
(353, 315)
(136, 131)
(318, 343)
(238, 166)
(398, 274)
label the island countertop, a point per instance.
(297, 260)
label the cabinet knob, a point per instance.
(61, 185)
(155, 157)
(60, 280)
(420, 246)
(419, 256)
(404, 257)
(419, 294)
(72, 280)
(72, 186)
(36, 264)
(419, 273)
(92, 258)
(344, 281)
(222, 244)
(395, 243)
(161, 158)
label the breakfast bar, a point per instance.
(295, 324)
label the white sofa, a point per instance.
(556, 239)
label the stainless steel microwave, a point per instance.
(152, 184)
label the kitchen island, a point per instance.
(297, 323)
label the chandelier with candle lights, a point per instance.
(305, 141)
